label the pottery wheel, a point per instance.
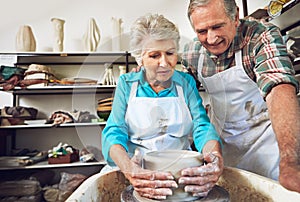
(217, 194)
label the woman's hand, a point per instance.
(150, 184)
(147, 183)
(200, 180)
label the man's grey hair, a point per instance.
(229, 5)
(152, 26)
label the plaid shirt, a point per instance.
(264, 56)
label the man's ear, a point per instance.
(237, 16)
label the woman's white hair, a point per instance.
(153, 26)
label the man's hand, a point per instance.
(200, 180)
(289, 176)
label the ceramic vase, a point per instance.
(58, 28)
(108, 78)
(91, 38)
(116, 33)
(25, 40)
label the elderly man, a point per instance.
(244, 66)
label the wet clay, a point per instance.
(217, 194)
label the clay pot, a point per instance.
(25, 40)
(174, 161)
(116, 33)
(58, 29)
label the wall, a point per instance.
(253, 5)
(76, 13)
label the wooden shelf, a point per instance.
(87, 89)
(70, 58)
(45, 165)
(64, 125)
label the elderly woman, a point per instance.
(158, 108)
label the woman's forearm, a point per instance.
(119, 155)
(212, 146)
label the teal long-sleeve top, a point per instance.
(116, 129)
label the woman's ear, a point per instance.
(139, 61)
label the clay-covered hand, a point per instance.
(150, 184)
(200, 180)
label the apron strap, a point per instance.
(180, 93)
(200, 61)
(133, 90)
(238, 58)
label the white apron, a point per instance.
(158, 123)
(240, 115)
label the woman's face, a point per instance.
(159, 58)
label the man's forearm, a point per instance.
(284, 113)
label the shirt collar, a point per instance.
(139, 76)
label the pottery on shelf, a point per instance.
(25, 40)
(58, 28)
(122, 69)
(116, 33)
(91, 38)
(108, 78)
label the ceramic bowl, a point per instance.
(104, 111)
(174, 161)
(103, 114)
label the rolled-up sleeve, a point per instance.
(272, 63)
